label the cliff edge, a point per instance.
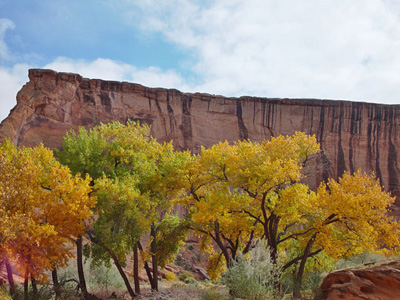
(352, 134)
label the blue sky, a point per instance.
(330, 49)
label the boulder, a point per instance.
(369, 282)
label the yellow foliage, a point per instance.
(245, 185)
(246, 191)
(216, 266)
(171, 276)
(351, 217)
(42, 207)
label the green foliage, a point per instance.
(360, 259)
(254, 277)
(84, 152)
(99, 278)
(171, 235)
(236, 194)
(136, 180)
(313, 282)
(214, 295)
(120, 221)
(104, 278)
(187, 277)
(44, 293)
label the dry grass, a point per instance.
(173, 291)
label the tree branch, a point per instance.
(295, 260)
(294, 235)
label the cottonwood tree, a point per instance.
(346, 218)
(126, 157)
(255, 191)
(44, 206)
(91, 152)
(213, 211)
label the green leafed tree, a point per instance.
(136, 180)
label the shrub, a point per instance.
(171, 276)
(255, 277)
(44, 293)
(360, 259)
(103, 277)
(213, 295)
(187, 277)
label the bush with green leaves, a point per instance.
(360, 259)
(213, 295)
(254, 276)
(187, 277)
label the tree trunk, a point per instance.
(270, 231)
(136, 269)
(122, 273)
(9, 275)
(300, 273)
(81, 275)
(56, 284)
(146, 266)
(221, 245)
(154, 258)
(26, 285)
(34, 285)
(117, 264)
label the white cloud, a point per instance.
(11, 82)
(284, 48)
(5, 24)
(100, 68)
(107, 69)
(272, 48)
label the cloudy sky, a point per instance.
(330, 49)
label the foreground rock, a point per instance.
(370, 282)
(352, 134)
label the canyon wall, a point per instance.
(352, 134)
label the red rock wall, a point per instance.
(352, 134)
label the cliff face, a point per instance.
(352, 135)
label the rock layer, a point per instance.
(370, 282)
(352, 134)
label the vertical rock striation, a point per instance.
(352, 134)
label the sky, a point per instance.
(330, 49)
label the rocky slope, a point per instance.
(369, 282)
(352, 134)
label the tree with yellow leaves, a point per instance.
(345, 218)
(44, 204)
(255, 191)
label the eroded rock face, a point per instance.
(352, 135)
(368, 283)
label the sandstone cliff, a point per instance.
(352, 134)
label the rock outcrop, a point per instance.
(352, 134)
(369, 282)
